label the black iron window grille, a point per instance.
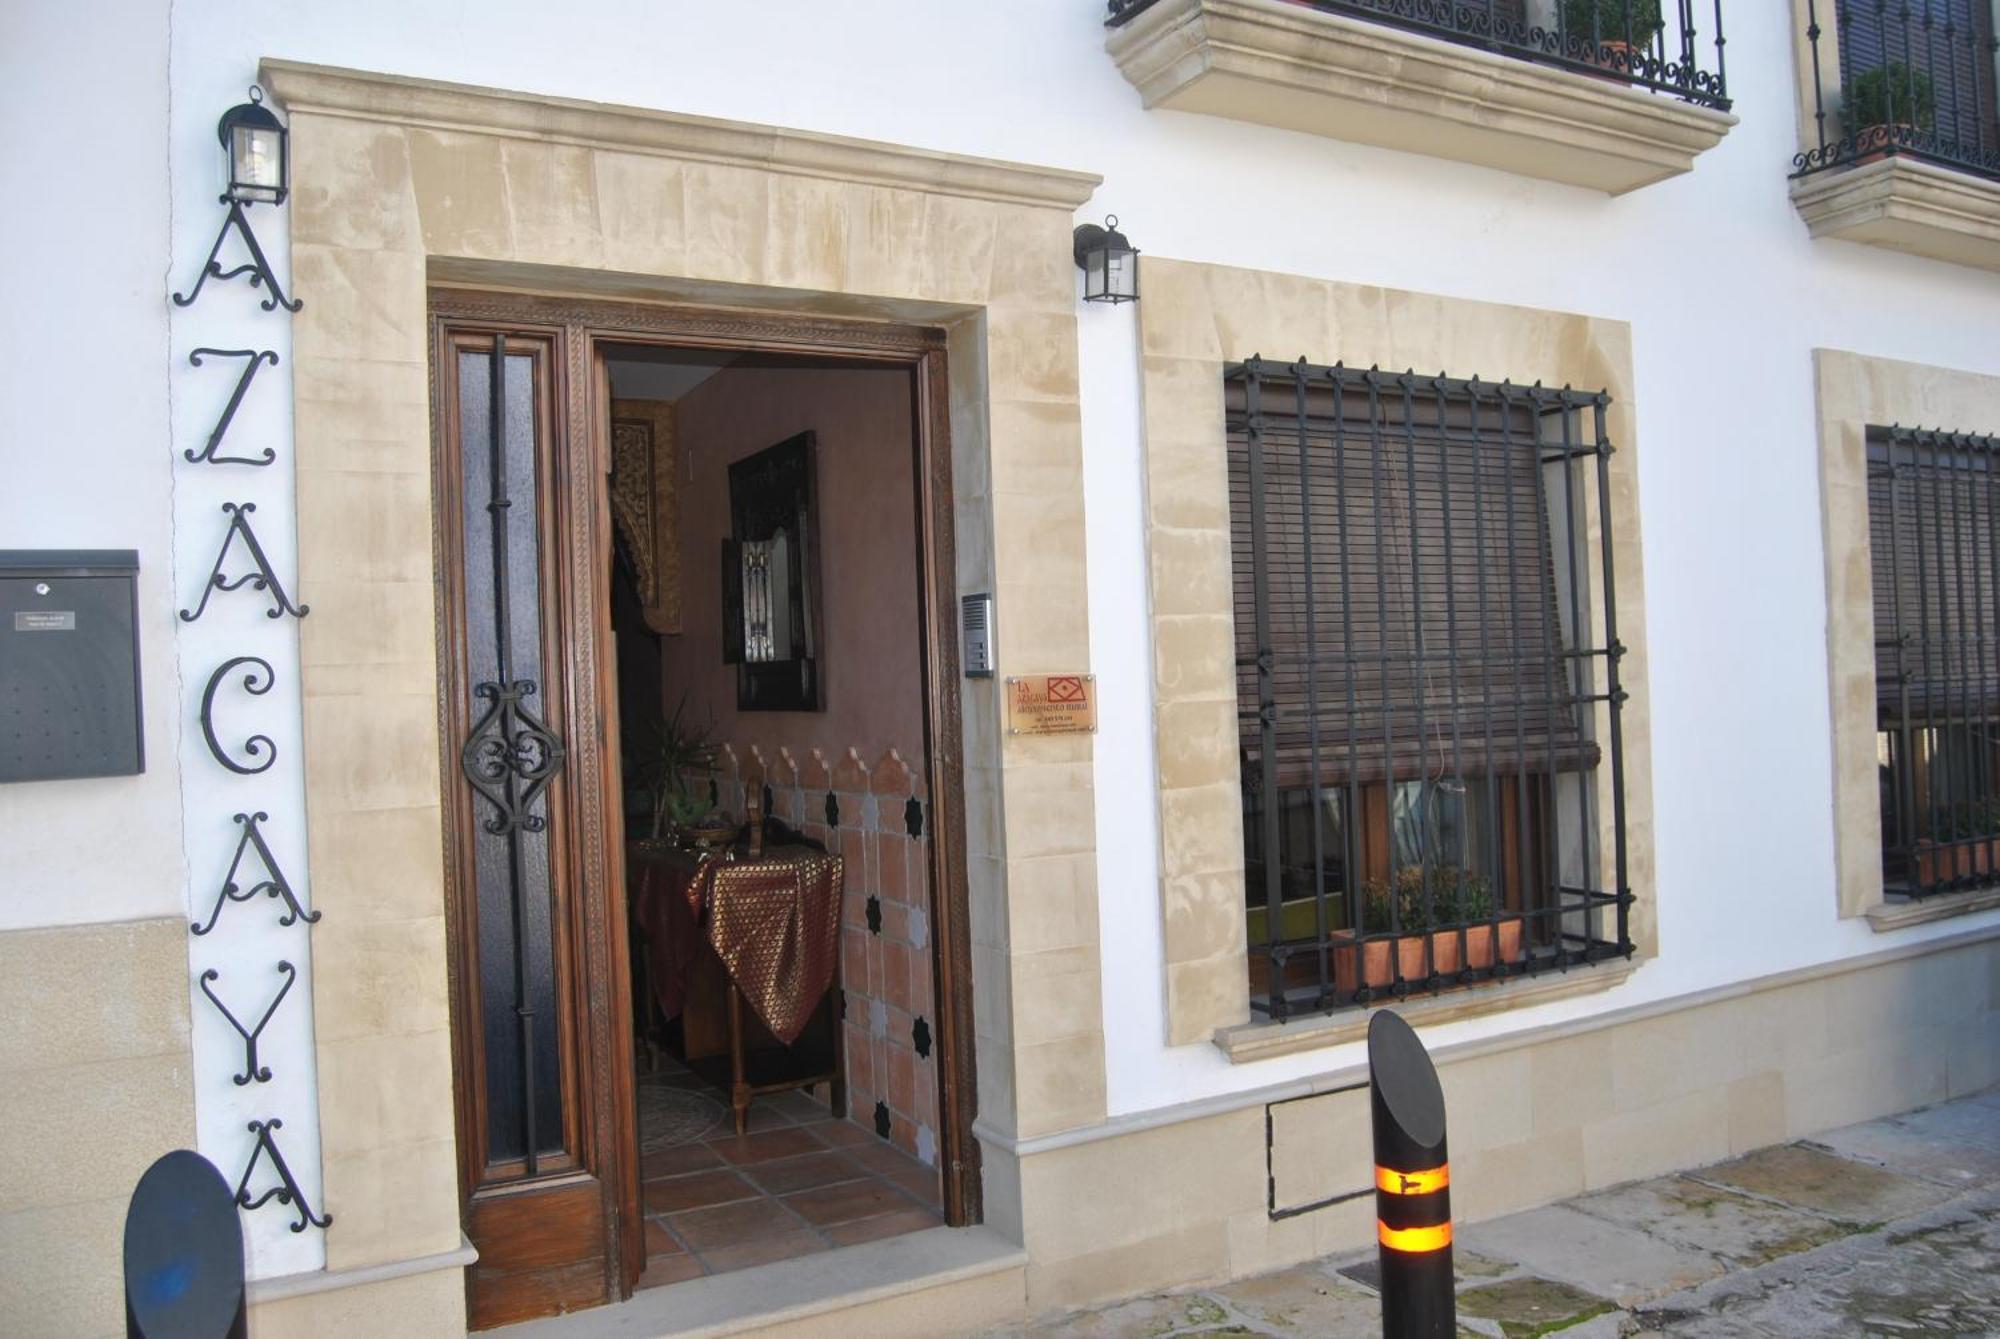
(1428, 697)
(1653, 44)
(1915, 77)
(1933, 519)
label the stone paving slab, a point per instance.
(1811, 1178)
(1738, 1230)
(1610, 1260)
(1927, 1149)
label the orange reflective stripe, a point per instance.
(1412, 1183)
(1413, 1239)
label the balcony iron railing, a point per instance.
(1903, 77)
(1650, 44)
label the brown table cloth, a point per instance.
(774, 922)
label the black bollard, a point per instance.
(1412, 1176)
(183, 1253)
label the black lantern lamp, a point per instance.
(1110, 263)
(253, 143)
(255, 161)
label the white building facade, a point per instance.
(1763, 910)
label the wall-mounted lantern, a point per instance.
(1110, 263)
(253, 143)
(254, 160)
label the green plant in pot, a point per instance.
(1450, 929)
(1614, 24)
(673, 760)
(1888, 97)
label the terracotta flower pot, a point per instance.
(1939, 863)
(1874, 142)
(1479, 943)
(1374, 960)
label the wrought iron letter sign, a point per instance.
(287, 1191)
(273, 885)
(261, 579)
(259, 269)
(256, 745)
(251, 1069)
(207, 454)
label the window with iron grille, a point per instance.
(1933, 517)
(1427, 682)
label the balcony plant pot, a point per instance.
(1369, 961)
(1874, 143)
(1940, 863)
(1885, 106)
(1479, 943)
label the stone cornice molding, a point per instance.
(1298, 68)
(437, 105)
(1909, 205)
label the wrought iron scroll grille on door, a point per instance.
(1428, 697)
(510, 755)
(1934, 531)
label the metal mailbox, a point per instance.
(69, 664)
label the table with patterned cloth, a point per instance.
(773, 921)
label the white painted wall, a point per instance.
(83, 420)
(1726, 294)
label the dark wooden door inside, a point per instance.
(537, 1168)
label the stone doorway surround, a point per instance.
(402, 183)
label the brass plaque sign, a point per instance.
(1051, 704)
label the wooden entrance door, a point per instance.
(541, 979)
(540, 1165)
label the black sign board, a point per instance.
(69, 664)
(183, 1253)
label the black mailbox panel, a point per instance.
(69, 664)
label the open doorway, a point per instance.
(738, 526)
(766, 614)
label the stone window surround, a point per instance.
(1285, 65)
(1194, 319)
(1854, 391)
(403, 183)
(1903, 204)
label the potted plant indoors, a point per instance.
(673, 761)
(1622, 30)
(1459, 915)
(1884, 106)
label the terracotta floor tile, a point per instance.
(762, 1115)
(679, 1161)
(660, 1242)
(697, 1190)
(846, 1202)
(763, 1251)
(844, 1134)
(922, 1183)
(709, 1230)
(798, 1107)
(882, 1225)
(885, 1158)
(803, 1173)
(669, 1269)
(765, 1146)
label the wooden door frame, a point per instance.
(601, 992)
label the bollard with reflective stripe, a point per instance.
(1412, 1184)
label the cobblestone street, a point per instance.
(1887, 1228)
